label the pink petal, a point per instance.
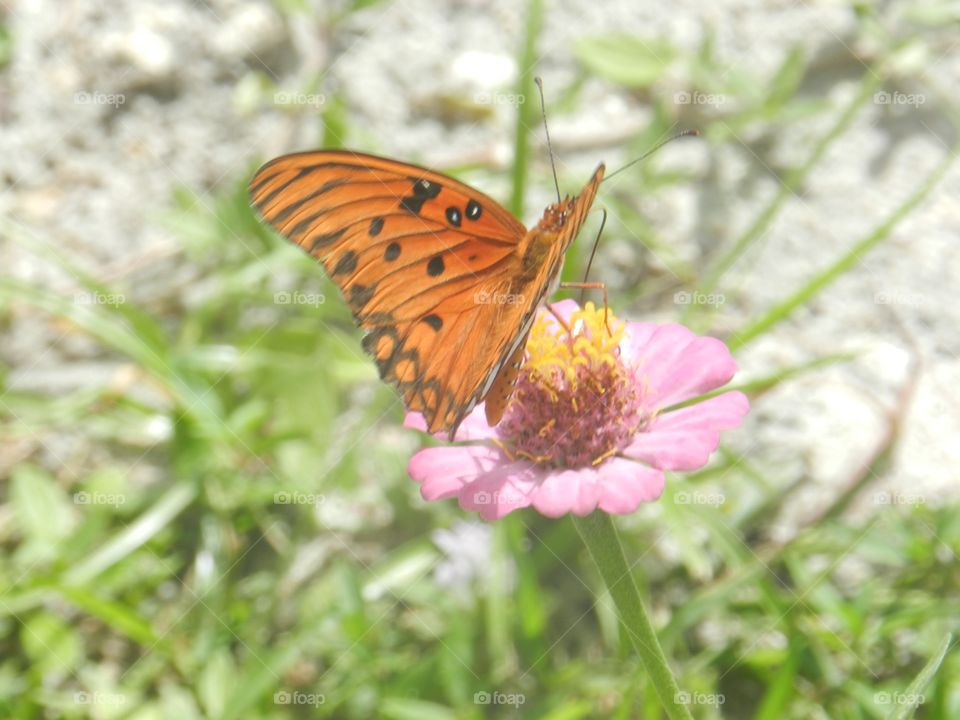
(683, 439)
(506, 488)
(675, 364)
(444, 471)
(564, 308)
(635, 338)
(473, 427)
(625, 484)
(564, 491)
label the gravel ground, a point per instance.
(104, 113)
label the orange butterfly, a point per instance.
(445, 281)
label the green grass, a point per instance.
(163, 575)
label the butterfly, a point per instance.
(443, 279)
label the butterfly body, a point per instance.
(445, 281)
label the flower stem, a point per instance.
(601, 539)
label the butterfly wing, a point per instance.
(415, 254)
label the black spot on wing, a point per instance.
(290, 209)
(423, 190)
(435, 267)
(392, 252)
(319, 241)
(376, 225)
(426, 188)
(359, 295)
(382, 343)
(434, 321)
(412, 205)
(346, 264)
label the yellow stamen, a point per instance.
(593, 346)
(609, 453)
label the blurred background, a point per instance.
(204, 505)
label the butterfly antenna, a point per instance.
(648, 153)
(543, 111)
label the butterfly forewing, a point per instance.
(417, 256)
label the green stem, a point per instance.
(601, 539)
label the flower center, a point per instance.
(575, 403)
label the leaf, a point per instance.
(216, 684)
(625, 59)
(266, 667)
(134, 535)
(396, 574)
(787, 79)
(913, 696)
(41, 510)
(405, 709)
(51, 644)
(118, 616)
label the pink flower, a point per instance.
(593, 421)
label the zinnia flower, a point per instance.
(593, 422)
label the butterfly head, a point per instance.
(571, 209)
(555, 216)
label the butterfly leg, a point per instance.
(563, 323)
(593, 286)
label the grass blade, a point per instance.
(781, 310)
(914, 693)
